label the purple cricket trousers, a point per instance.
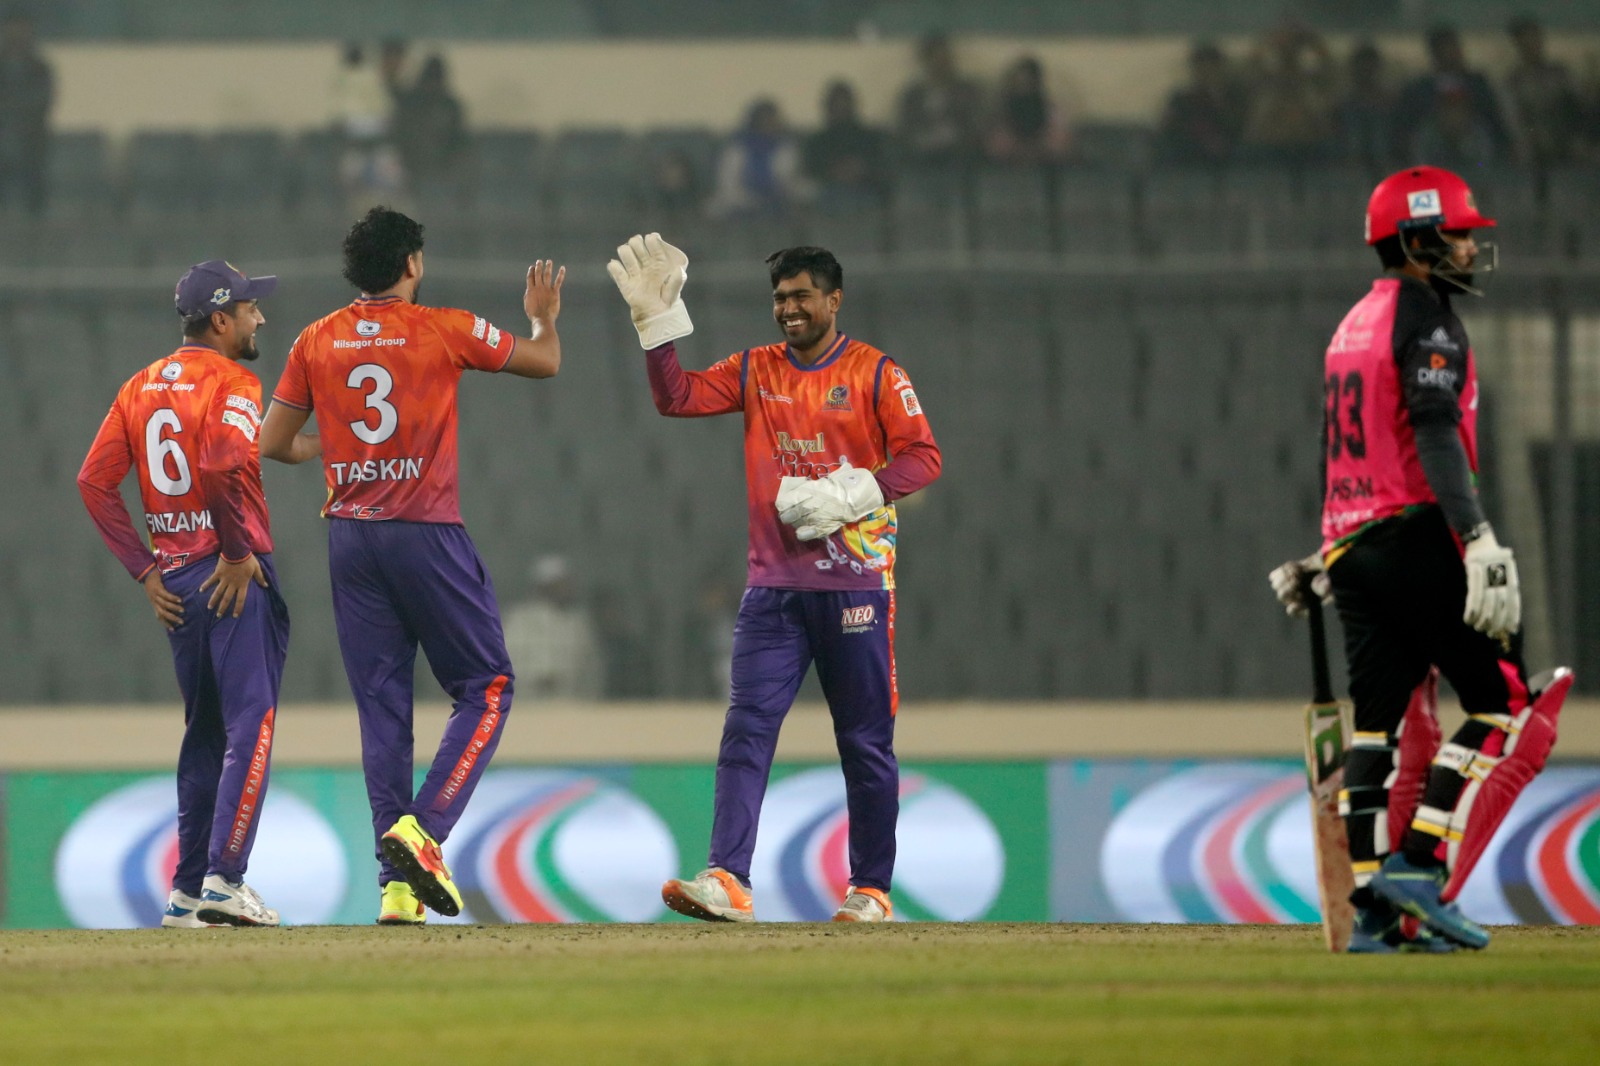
(397, 585)
(777, 636)
(229, 671)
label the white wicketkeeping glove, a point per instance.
(1288, 584)
(1494, 595)
(819, 508)
(650, 274)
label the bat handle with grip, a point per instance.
(1321, 681)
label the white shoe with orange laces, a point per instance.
(714, 895)
(865, 905)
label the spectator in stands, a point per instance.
(845, 158)
(1547, 113)
(27, 89)
(1028, 126)
(758, 172)
(1203, 120)
(1366, 111)
(394, 66)
(672, 185)
(1452, 109)
(1291, 92)
(552, 639)
(431, 132)
(369, 167)
(940, 111)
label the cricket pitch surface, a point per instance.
(789, 993)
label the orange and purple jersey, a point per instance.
(188, 424)
(381, 375)
(852, 404)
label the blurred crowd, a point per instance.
(1292, 101)
(1287, 99)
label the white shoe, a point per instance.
(865, 905)
(222, 903)
(714, 895)
(180, 912)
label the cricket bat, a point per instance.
(1327, 738)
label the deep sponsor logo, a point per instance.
(1345, 489)
(1424, 203)
(377, 470)
(366, 327)
(950, 862)
(172, 371)
(369, 342)
(559, 846)
(245, 404)
(802, 445)
(241, 422)
(114, 866)
(858, 619)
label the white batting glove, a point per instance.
(1288, 584)
(1494, 594)
(822, 507)
(650, 274)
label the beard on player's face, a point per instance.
(246, 351)
(803, 328)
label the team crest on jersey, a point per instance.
(838, 399)
(172, 371)
(368, 328)
(857, 619)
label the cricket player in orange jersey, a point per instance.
(381, 374)
(188, 424)
(834, 433)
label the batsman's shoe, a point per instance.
(223, 902)
(410, 849)
(1382, 930)
(865, 905)
(714, 895)
(181, 912)
(1415, 890)
(400, 906)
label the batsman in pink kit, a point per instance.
(1419, 579)
(833, 435)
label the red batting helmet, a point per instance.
(1421, 197)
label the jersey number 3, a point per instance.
(1342, 419)
(377, 400)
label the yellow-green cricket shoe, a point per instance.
(401, 906)
(410, 849)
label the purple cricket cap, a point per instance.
(216, 283)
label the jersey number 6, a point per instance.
(388, 417)
(1343, 416)
(158, 449)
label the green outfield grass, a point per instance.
(908, 993)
